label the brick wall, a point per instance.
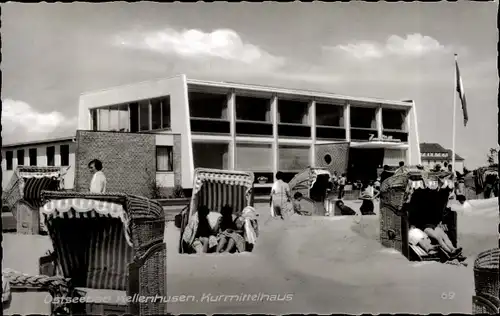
(129, 160)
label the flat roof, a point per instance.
(262, 88)
(298, 92)
(39, 142)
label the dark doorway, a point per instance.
(363, 163)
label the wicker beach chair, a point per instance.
(106, 246)
(412, 189)
(312, 183)
(216, 188)
(487, 283)
(23, 194)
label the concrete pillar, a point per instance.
(274, 118)
(312, 121)
(347, 121)
(378, 118)
(231, 107)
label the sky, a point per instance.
(52, 53)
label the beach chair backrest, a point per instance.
(216, 188)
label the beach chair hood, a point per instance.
(410, 181)
(28, 182)
(306, 179)
(216, 188)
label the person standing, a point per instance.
(98, 182)
(368, 194)
(280, 196)
(342, 182)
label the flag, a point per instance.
(461, 93)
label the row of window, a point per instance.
(147, 115)
(434, 154)
(32, 158)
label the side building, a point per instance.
(434, 153)
(248, 127)
(50, 152)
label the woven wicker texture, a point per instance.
(487, 273)
(339, 155)
(484, 306)
(152, 280)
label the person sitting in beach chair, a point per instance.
(199, 234)
(298, 207)
(230, 233)
(430, 221)
(417, 237)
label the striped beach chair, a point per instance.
(107, 246)
(216, 188)
(23, 195)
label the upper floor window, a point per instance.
(144, 115)
(393, 119)
(9, 157)
(33, 156)
(64, 152)
(20, 157)
(208, 105)
(51, 156)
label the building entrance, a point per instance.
(363, 163)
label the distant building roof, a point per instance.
(38, 142)
(437, 148)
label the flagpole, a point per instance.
(454, 114)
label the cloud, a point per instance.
(413, 45)
(21, 122)
(222, 44)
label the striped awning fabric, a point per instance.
(86, 208)
(226, 178)
(431, 184)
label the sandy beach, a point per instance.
(305, 265)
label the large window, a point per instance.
(144, 117)
(293, 112)
(64, 152)
(51, 155)
(211, 155)
(208, 105)
(329, 115)
(363, 118)
(254, 157)
(393, 119)
(134, 117)
(103, 117)
(33, 156)
(20, 157)
(293, 158)
(164, 158)
(253, 109)
(9, 157)
(94, 120)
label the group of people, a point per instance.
(224, 231)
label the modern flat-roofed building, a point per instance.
(256, 128)
(43, 153)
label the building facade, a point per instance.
(434, 154)
(52, 152)
(255, 128)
